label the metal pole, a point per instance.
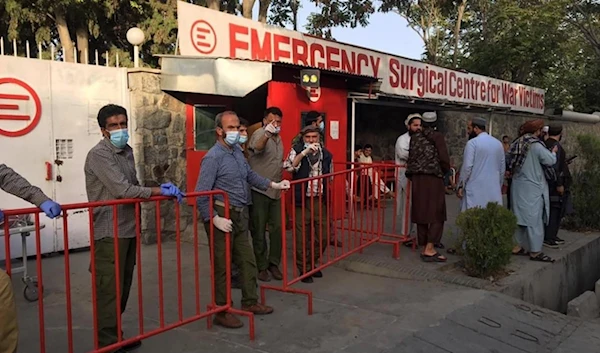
(352, 144)
(136, 56)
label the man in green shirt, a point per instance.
(265, 155)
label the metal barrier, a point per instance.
(348, 200)
(163, 325)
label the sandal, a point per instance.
(437, 257)
(541, 257)
(521, 252)
(439, 246)
(409, 243)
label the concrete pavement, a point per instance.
(353, 313)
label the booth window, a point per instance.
(204, 125)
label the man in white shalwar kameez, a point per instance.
(403, 199)
(482, 171)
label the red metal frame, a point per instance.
(211, 309)
(365, 227)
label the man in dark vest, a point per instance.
(309, 159)
(427, 163)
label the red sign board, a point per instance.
(10, 106)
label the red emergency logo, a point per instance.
(203, 36)
(16, 98)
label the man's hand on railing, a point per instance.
(282, 185)
(171, 190)
(51, 208)
(223, 224)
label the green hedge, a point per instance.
(585, 191)
(486, 239)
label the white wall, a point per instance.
(70, 96)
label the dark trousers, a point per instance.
(430, 233)
(312, 234)
(241, 254)
(266, 210)
(106, 293)
(551, 229)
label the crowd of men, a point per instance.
(533, 166)
(250, 171)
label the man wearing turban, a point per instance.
(530, 200)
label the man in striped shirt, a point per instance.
(13, 183)
(110, 174)
(225, 168)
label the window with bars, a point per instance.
(64, 149)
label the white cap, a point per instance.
(430, 117)
(411, 116)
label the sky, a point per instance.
(386, 32)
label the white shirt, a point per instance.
(402, 146)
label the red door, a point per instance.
(200, 130)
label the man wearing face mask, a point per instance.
(225, 168)
(265, 157)
(109, 175)
(482, 171)
(309, 159)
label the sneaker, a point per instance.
(551, 244)
(318, 274)
(558, 240)
(258, 309)
(264, 276)
(227, 320)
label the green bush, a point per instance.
(486, 239)
(585, 190)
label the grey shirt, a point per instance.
(110, 174)
(267, 162)
(13, 183)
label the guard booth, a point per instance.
(270, 84)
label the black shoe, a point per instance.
(307, 280)
(558, 240)
(550, 244)
(132, 346)
(318, 274)
(120, 350)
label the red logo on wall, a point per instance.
(314, 93)
(203, 36)
(12, 106)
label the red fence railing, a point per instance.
(190, 307)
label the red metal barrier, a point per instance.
(314, 200)
(163, 325)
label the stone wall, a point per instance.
(158, 140)
(454, 126)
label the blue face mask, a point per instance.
(119, 138)
(232, 137)
(243, 139)
(322, 125)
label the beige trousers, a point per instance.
(9, 332)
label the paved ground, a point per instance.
(353, 313)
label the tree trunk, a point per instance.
(461, 12)
(247, 6)
(82, 43)
(295, 14)
(263, 10)
(63, 35)
(214, 4)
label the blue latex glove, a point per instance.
(169, 189)
(51, 208)
(1, 216)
